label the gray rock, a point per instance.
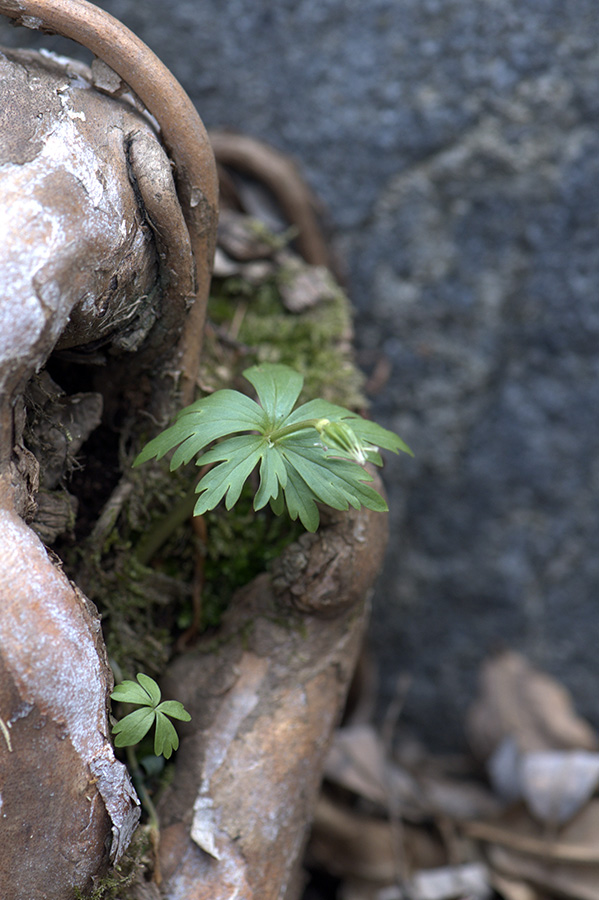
(456, 146)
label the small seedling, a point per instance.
(307, 455)
(152, 709)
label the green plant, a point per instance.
(152, 710)
(313, 453)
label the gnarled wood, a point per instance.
(96, 261)
(62, 792)
(265, 697)
(182, 132)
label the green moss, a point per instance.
(140, 570)
(137, 601)
(238, 547)
(315, 342)
(135, 867)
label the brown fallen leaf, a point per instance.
(509, 889)
(520, 702)
(458, 799)
(349, 844)
(357, 762)
(279, 174)
(575, 843)
(241, 239)
(357, 889)
(470, 881)
(363, 848)
(304, 286)
(565, 864)
(558, 879)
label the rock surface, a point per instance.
(456, 145)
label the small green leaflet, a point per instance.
(134, 726)
(308, 455)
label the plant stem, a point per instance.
(140, 786)
(297, 426)
(153, 540)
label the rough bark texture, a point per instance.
(96, 273)
(181, 129)
(95, 267)
(79, 263)
(456, 146)
(67, 804)
(265, 697)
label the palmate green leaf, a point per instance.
(145, 692)
(132, 728)
(150, 686)
(278, 388)
(273, 477)
(315, 475)
(314, 470)
(166, 738)
(222, 413)
(277, 504)
(307, 455)
(301, 503)
(236, 458)
(174, 709)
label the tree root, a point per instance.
(265, 695)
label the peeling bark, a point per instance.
(62, 789)
(103, 253)
(96, 265)
(74, 258)
(182, 132)
(78, 266)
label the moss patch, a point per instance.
(135, 868)
(144, 563)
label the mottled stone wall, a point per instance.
(456, 144)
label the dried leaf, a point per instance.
(503, 767)
(356, 889)
(356, 761)
(569, 881)
(451, 883)
(509, 889)
(554, 784)
(470, 880)
(279, 176)
(557, 784)
(515, 700)
(353, 845)
(348, 844)
(458, 799)
(575, 844)
(241, 238)
(305, 286)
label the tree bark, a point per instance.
(96, 266)
(265, 697)
(102, 255)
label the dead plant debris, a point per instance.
(517, 819)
